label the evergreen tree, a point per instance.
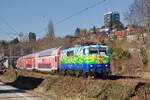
(118, 26)
(94, 30)
(77, 32)
(15, 41)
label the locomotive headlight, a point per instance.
(106, 65)
(91, 65)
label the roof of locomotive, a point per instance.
(78, 48)
(86, 46)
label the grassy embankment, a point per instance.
(71, 88)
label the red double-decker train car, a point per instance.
(47, 60)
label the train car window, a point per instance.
(55, 59)
(93, 51)
(70, 53)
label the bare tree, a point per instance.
(138, 13)
(51, 30)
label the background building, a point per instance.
(112, 17)
(29, 36)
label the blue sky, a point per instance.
(34, 15)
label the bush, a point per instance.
(116, 91)
(119, 54)
(144, 54)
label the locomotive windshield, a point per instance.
(93, 51)
(101, 50)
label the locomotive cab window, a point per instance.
(93, 50)
(70, 53)
(102, 51)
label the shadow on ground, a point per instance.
(26, 83)
(116, 77)
(30, 83)
(12, 91)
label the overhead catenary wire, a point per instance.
(3, 31)
(9, 34)
(75, 14)
(10, 26)
(81, 11)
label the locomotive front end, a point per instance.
(98, 60)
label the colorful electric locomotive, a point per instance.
(92, 59)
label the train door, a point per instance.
(53, 63)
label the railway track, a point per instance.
(126, 79)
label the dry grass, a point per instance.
(9, 76)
